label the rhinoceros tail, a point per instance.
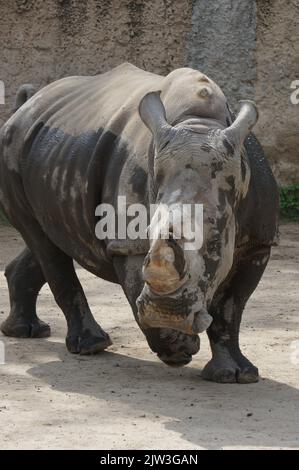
(24, 93)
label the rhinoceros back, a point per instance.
(75, 131)
(79, 138)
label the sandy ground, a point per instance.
(126, 398)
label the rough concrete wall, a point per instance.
(222, 44)
(277, 59)
(45, 40)
(250, 48)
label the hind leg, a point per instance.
(25, 279)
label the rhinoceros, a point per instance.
(86, 140)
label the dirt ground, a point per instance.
(126, 398)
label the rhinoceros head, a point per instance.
(197, 161)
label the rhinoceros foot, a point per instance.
(18, 327)
(229, 370)
(88, 343)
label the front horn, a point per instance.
(165, 269)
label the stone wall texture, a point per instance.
(250, 48)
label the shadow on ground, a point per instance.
(258, 415)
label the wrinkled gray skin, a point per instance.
(85, 140)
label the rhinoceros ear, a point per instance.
(152, 113)
(244, 122)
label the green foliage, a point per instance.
(289, 201)
(3, 219)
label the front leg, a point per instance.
(85, 335)
(228, 364)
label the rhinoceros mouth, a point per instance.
(176, 313)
